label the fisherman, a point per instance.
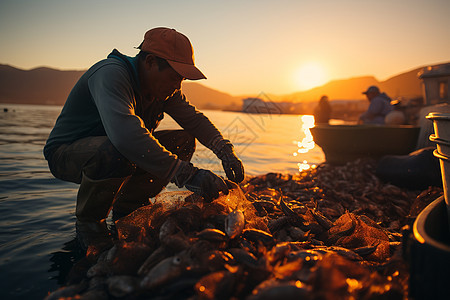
(379, 107)
(105, 138)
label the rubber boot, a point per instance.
(94, 201)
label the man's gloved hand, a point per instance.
(202, 182)
(207, 184)
(232, 165)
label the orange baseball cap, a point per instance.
(174, 47)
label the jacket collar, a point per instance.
(131, 64)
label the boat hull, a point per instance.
(343, 143)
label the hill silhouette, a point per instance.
(406, 85)
(36, 86)
(51, 86)
(208, 98)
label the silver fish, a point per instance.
(256, 235)
(168, 228)
(67, 291)
(212, 235)
(151, 261)
(272, 289)
(165, 271)
(234, 223)
(122, 285)
(102, 268)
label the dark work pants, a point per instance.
(95, 163)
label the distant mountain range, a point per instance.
(405, 85)
(51, 86)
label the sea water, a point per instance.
(37, 246)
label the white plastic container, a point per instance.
(444, 162)
(442, 145)
(441, 124)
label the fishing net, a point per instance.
(236, 200)
(137, 225)
(188, 210)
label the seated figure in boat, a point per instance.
(379, 107)
(322, 112)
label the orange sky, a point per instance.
(243, 47)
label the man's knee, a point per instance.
(185, 146)
(188, 141)
(108, 162)
(179, 142)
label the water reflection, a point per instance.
(307, 143)
(63, 261)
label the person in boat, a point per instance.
(397, 115)
(105, 137)
(322, 111)
(379, 107)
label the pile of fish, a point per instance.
(331, 232)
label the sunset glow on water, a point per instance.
(307, 143)
(265, 142)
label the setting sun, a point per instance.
(310, 75)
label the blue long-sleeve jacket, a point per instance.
(379, 107)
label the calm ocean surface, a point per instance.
(37, 211)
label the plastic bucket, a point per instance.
(441, 124)
(444, 162)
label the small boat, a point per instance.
(343, 143)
